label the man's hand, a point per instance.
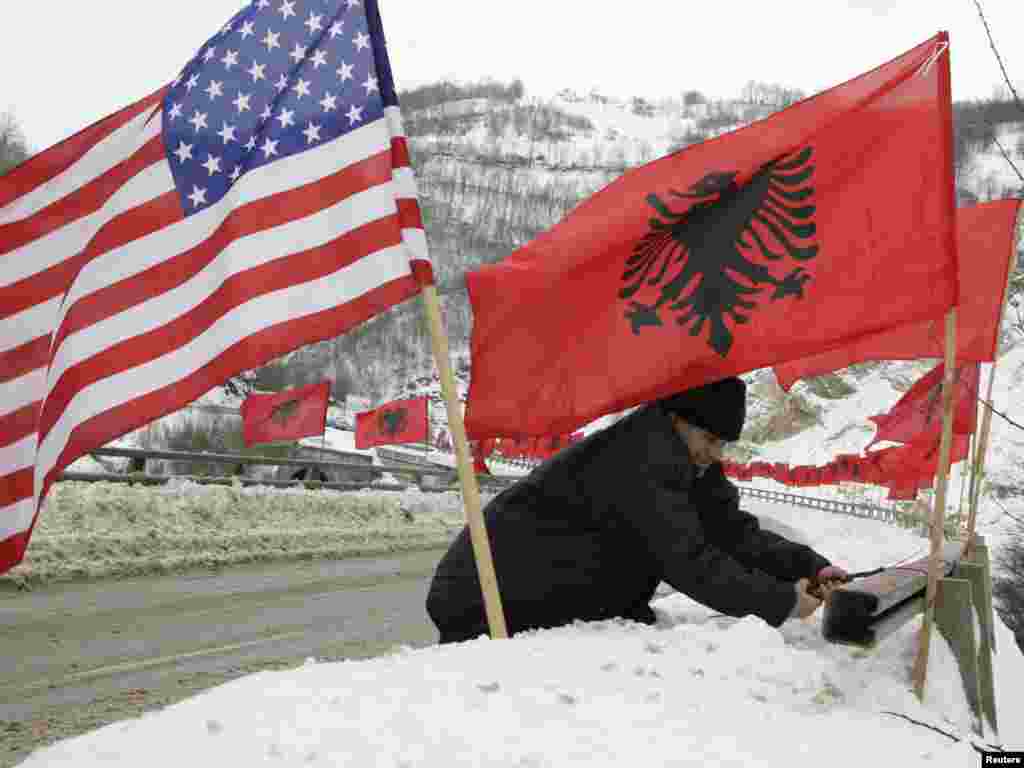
(832, 573)
(806, 602)
(826, 580)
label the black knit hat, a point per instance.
(719, 407)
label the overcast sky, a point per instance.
(64, 67)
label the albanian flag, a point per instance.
(918, 414)
(985, 246)
(285, 415)
(824, 223)
(401, 421)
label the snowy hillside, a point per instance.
(987, 174)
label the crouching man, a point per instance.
(591, 533)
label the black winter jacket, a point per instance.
(591, 533)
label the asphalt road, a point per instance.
(74, 657)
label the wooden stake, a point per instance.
(463, 463)
(939, 510)
(986, 417)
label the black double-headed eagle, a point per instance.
(699, 256)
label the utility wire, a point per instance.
(991, 407)
(991, 42)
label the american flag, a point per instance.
(260, 202)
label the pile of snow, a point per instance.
(696, 689)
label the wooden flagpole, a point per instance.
(937, 532)
(463, 463)
(986, 417)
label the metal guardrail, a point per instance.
(236, 459)
(440, 478)
(144, 479)
(868, 511)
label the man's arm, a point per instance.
(671, 529)
(740, 533)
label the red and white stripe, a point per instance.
(117, 309)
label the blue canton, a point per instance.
(281, 77)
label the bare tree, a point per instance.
(13, 147)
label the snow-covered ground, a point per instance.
(697, 689)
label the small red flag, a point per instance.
(902, 489)
(287, 415)
(917, 461)
(394, 423)
(918, 414)
(985, 244)
(829, 474)
(828, 221)
(924, 454)
(481, 449)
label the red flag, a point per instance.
(923, 454)
(985, 240)
(828, 221)
(394, 423)
(917, 461)
(804, 476)
(868, 471)
(536, 447)
(481, 449)
(919, 412)
(829, 474)
(285, 415)
(846, 467)
(902, 489)
(144, 260)
(519, 447)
